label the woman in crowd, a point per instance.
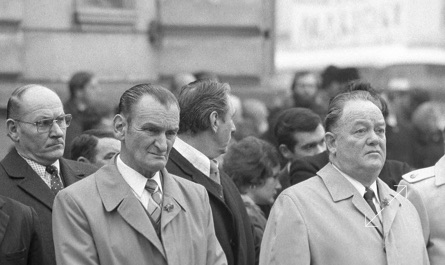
(254, 164)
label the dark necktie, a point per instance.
(56, 183)
(369, 196)
(214, 172)
(154, 205)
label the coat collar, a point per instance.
(27, 179)
(439, 171)
(340, 189)
(117, 196)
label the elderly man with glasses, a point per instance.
(34, 170)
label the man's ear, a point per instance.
(83, 160)
(285, 152)
(214, 123)
(12, 130)
(120, 126)
(331, 143)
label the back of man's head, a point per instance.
(85, 144)
(198, 100)
(293, 120)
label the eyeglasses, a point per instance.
(45, 125)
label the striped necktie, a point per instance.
(56, 182)
(154, 205)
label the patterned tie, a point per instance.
(214, 172)
(154, 206)
(56, 183)
(369, 196)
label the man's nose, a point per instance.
(56, 130)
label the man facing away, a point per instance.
(205, 130)
(133, 211)
(34, 171)
(346, 214)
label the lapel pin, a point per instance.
(169, 207)
(384, 203)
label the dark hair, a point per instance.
(95, 113)
(85, 144)
(132, 96)
(78, 82)
(13, 105)
(198, 100)
(290, 121)
(356, 90)
(250, 162)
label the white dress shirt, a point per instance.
(137, 181)
(195, 157)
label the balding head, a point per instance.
(31, 112)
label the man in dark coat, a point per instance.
(34, 171)
(205, 130)
(20, 236)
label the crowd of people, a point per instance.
(338, 173)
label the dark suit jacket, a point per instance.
(20, 182)
(232, 226)
(20, 236)
(307, 167)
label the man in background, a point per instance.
(95, 147)
(298, 132)
(205, 130)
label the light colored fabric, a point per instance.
(195, 157)
(136, 181)
(426, 190)
(361, 189)
(98, 220)
(324, 220)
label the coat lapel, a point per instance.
(194, 174)
(4, 220)
(117, 196)
(174, 201)
(69, 174)
(28, 180)
(390, 203)
(340, 189)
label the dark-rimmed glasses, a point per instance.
(44, 125)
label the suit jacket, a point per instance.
(426, 190)
(307, 167)
(324, 220)
(232, 225)
(100, 221)
(20, 238)
(20, 182)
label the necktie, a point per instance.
(56, 183)
(154, 205)
(214, 172)
(369, 196)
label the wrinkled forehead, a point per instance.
(361, 111)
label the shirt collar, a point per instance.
(134, 179)
(40, 169)
(359, 186)
(195, 157)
